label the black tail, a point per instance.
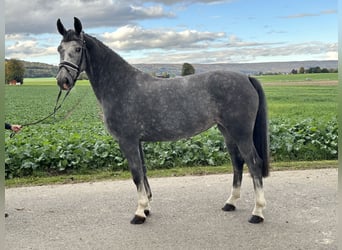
(260, 134)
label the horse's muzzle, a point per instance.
(64, 79)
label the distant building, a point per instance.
(14, 83)
(162, 75)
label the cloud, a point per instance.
(303, 15)
(40, 16)
(311, 49)
(187, 2)
(318, 50)
(29, 48)
(236, 42)
(140, 45)
(132, 37)
(332, 55)
(328, 12)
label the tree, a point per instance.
(187, 69)
(317, 70)
(301, 70)
(314, 70)
(14, 70)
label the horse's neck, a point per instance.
(106, 70)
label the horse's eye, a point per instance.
(78, 49)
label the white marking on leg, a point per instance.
(234, 196)
(260, 202)
(148, 207)
(143, 203)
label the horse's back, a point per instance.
(212, 82)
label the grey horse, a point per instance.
(138, 107)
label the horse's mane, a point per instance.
(95, 42)
(104, 59)
(108, 56)
(92, 42)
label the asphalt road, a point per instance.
(186, 214)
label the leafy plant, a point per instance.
(305, 140)
(59, 150)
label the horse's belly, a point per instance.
(171, 130)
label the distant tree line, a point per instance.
(35, 70)
(311, 70)
(301, 70)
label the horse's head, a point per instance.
(72, 55)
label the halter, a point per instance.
(69, 66)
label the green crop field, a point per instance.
(301, 102)
(303, 126)
(303, 78)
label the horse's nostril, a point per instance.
(65, 86)
(63, 83)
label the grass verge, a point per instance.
(178, 171)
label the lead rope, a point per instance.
(56, 108)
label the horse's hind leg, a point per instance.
(254, 164)
(260, 202)
(237, 162)
(133, 155)
(241, 151)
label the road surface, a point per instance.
(186, 214)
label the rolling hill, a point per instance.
(36, 69)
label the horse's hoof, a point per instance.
(138, 220)
(255, 219)
(228, 207)
(147, 212)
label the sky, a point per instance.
(178, 31)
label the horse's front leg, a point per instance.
(143, 209)
(133, 155)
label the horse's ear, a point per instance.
(60, 27)
(77, 25)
